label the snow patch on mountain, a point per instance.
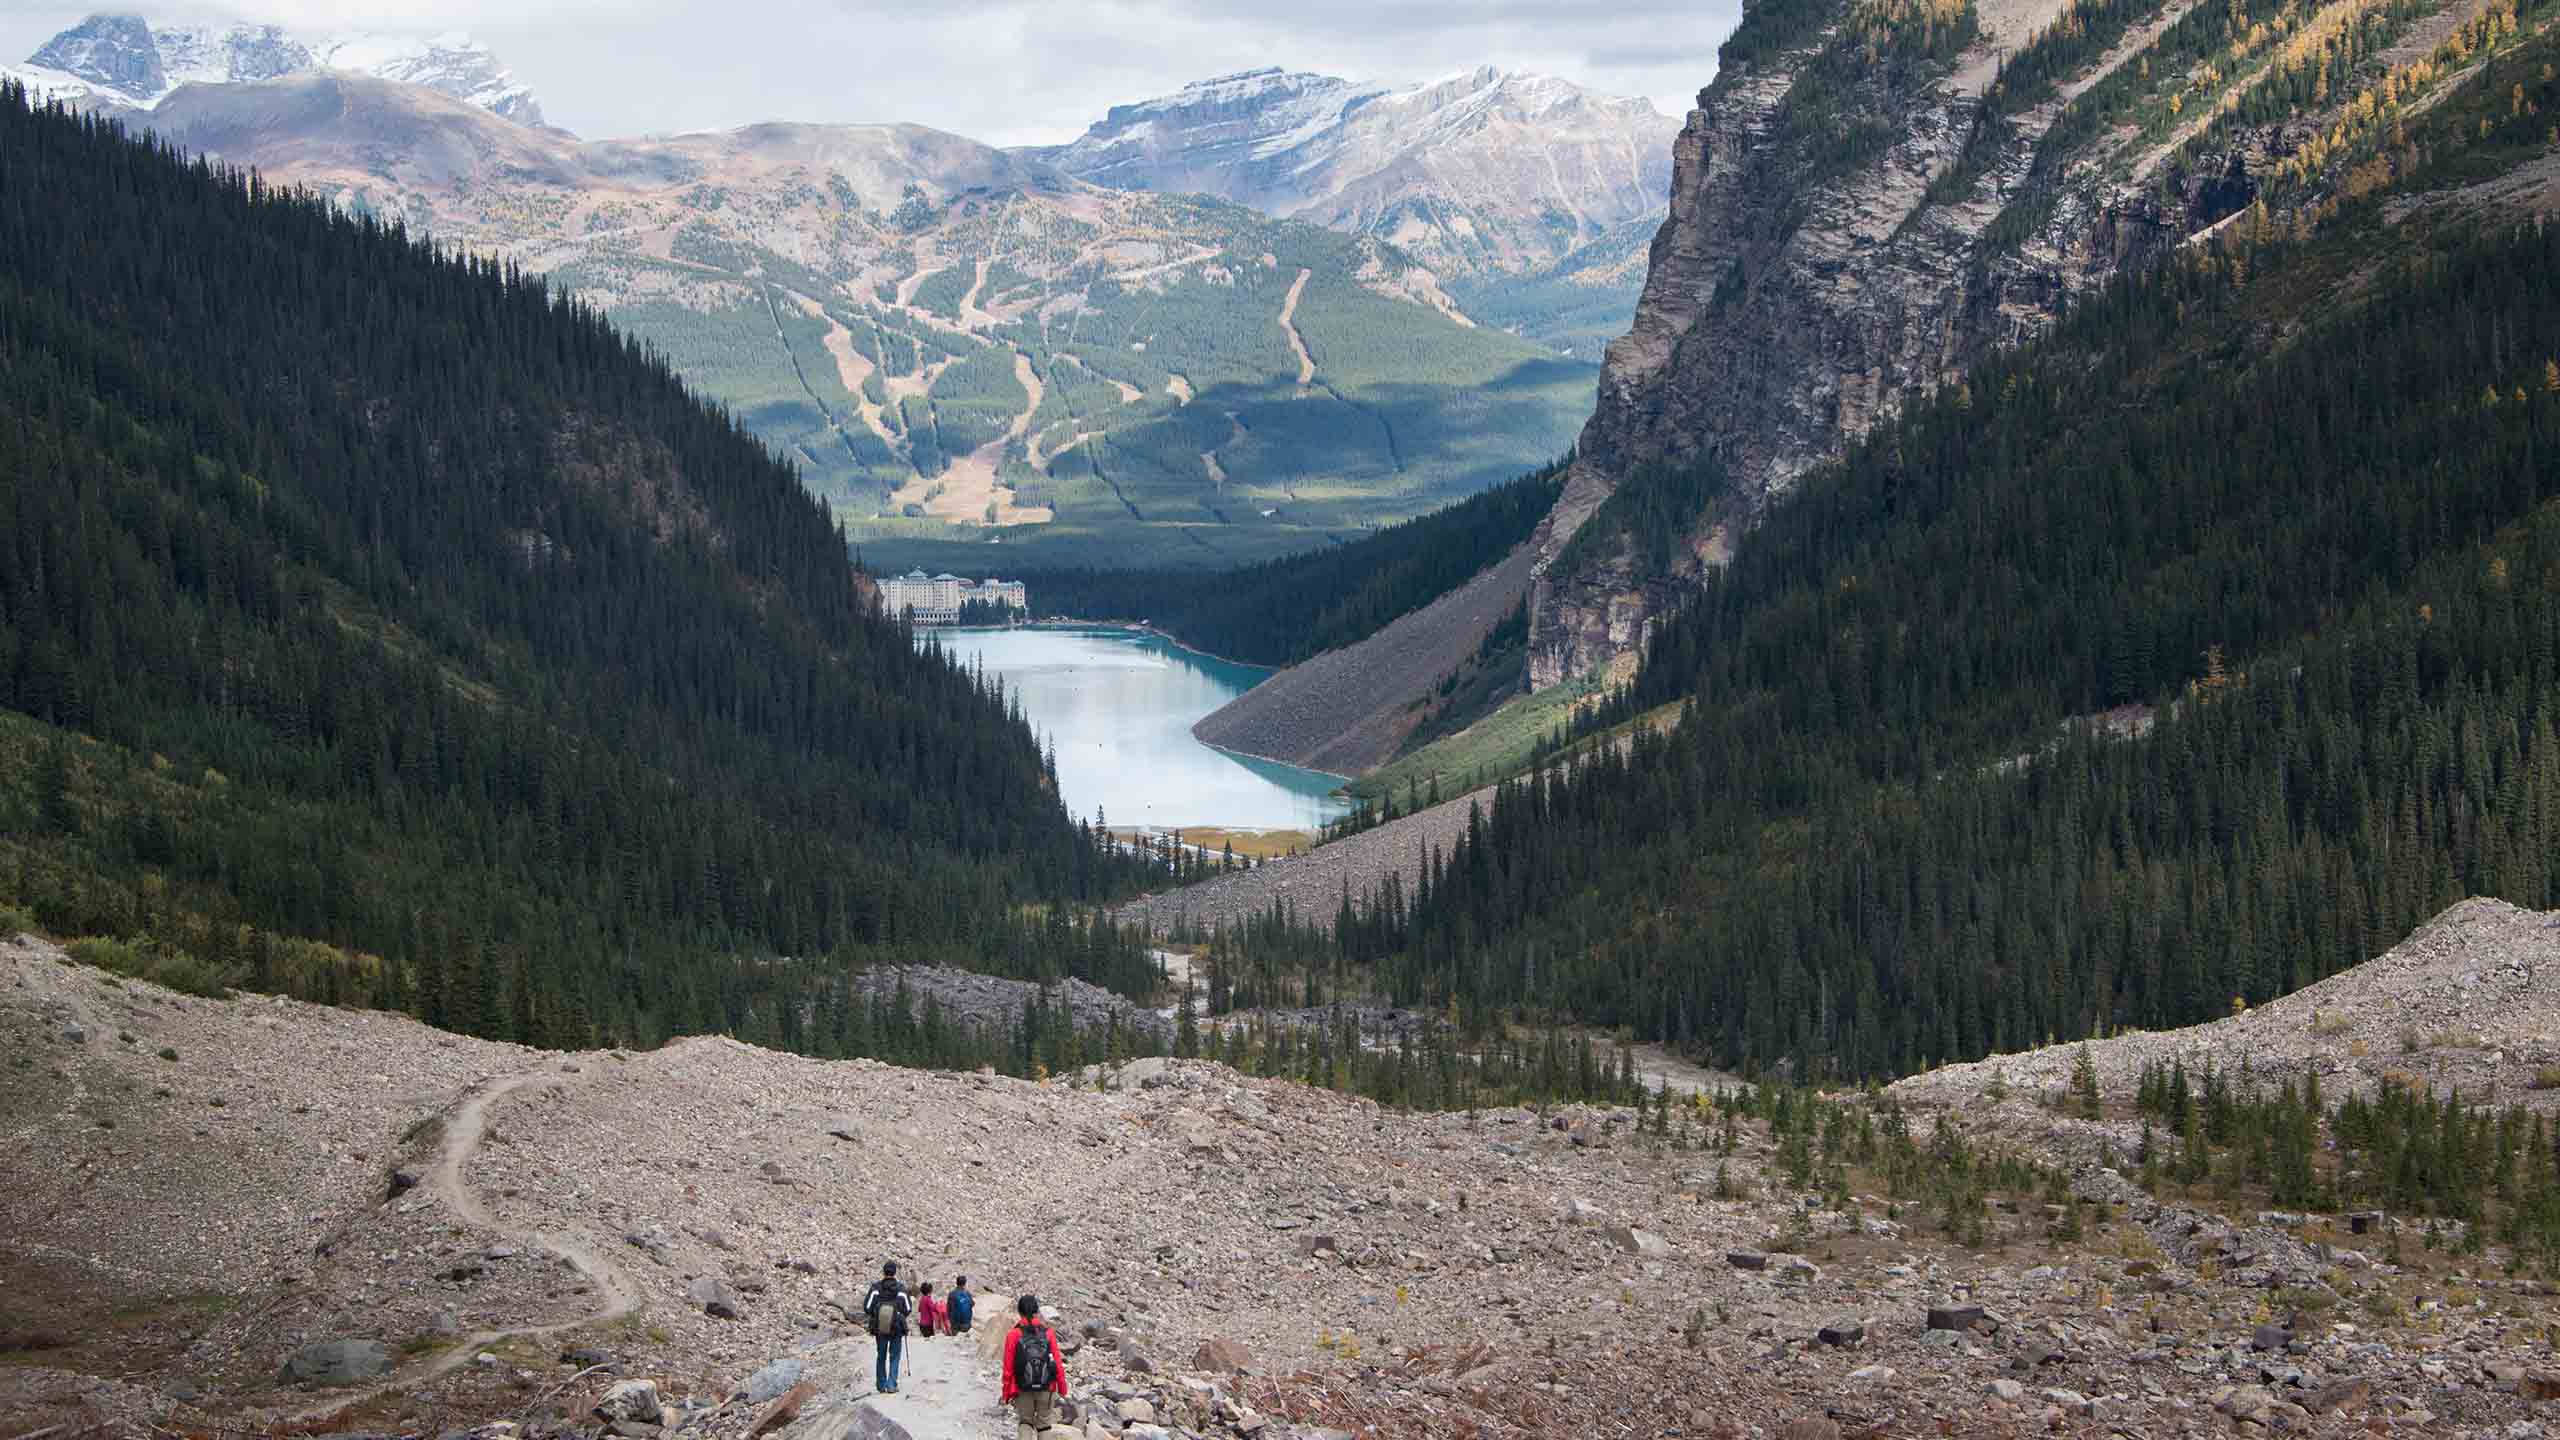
(126, 60)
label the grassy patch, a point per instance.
(1500, 744)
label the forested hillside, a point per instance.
(2190, 655)
(1282, 611)
(376, 625)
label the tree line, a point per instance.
(1283, 611)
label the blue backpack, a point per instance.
(964, 1306)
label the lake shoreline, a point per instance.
(1062, 622)
(1115, 703)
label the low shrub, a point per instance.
(145, 958)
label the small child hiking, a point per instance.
(1035, 1373)
(928, 1310)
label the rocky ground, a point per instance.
(2471, 1001)
(354, 1220)
(1346, 711)
(995, 1004)
(1313, 883)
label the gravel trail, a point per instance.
(448, 1181)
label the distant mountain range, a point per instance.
(124, 61)
(1266, 312)
(1522, 192)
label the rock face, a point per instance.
(126, 60)
(1801, 290)
(1490, 171)
(337, 1362)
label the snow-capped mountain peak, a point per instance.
(126, 60)
(1482, 170)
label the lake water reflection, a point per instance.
(1120, 706)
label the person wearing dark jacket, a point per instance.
(1035, 1371)
(885, 1309)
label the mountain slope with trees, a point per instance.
(2192, 654)
(378, 625)
(1287, 610)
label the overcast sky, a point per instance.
(1004, 71)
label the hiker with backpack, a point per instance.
(1035, 1372)
(962, 1307)
(885, 1309)
(928, 1310)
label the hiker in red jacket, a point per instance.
(1035, 1372)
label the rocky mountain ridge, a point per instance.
(1489, 170)
(955, 342)
(127, 62)
(1529, 195)
(1872, 196)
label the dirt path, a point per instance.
(463, 1131)
(947, 1387)
(1289, 327)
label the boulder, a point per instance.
(2270, 1337)
(2009, 1390)
(2247, 1402)
(714, 1296)
(337, 1362)
(1136, 1410)
(1579, 1211)
(1746, 1260)
(1144, 1074)
(855, 1420)
(1197, 1132)
(1954, 1317)
(2337, 1394)
(1842, 1332)
(784, 1409)
(630, 1400)
(769, 1383)
(1636, 1241)
(1222, 1356)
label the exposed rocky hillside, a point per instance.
(2469, 1003)
(118, 62)
(1872, 195)
(229, 1211)
(1531, 193)
(1312, 885)
(956, 343)
(1347, 711)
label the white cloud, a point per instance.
(1005, 71)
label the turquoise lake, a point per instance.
(1119, 705)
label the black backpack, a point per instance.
(1033, 1367)
(886, 1307)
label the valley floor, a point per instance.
(202, 1189)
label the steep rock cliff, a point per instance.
(1858, 212)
